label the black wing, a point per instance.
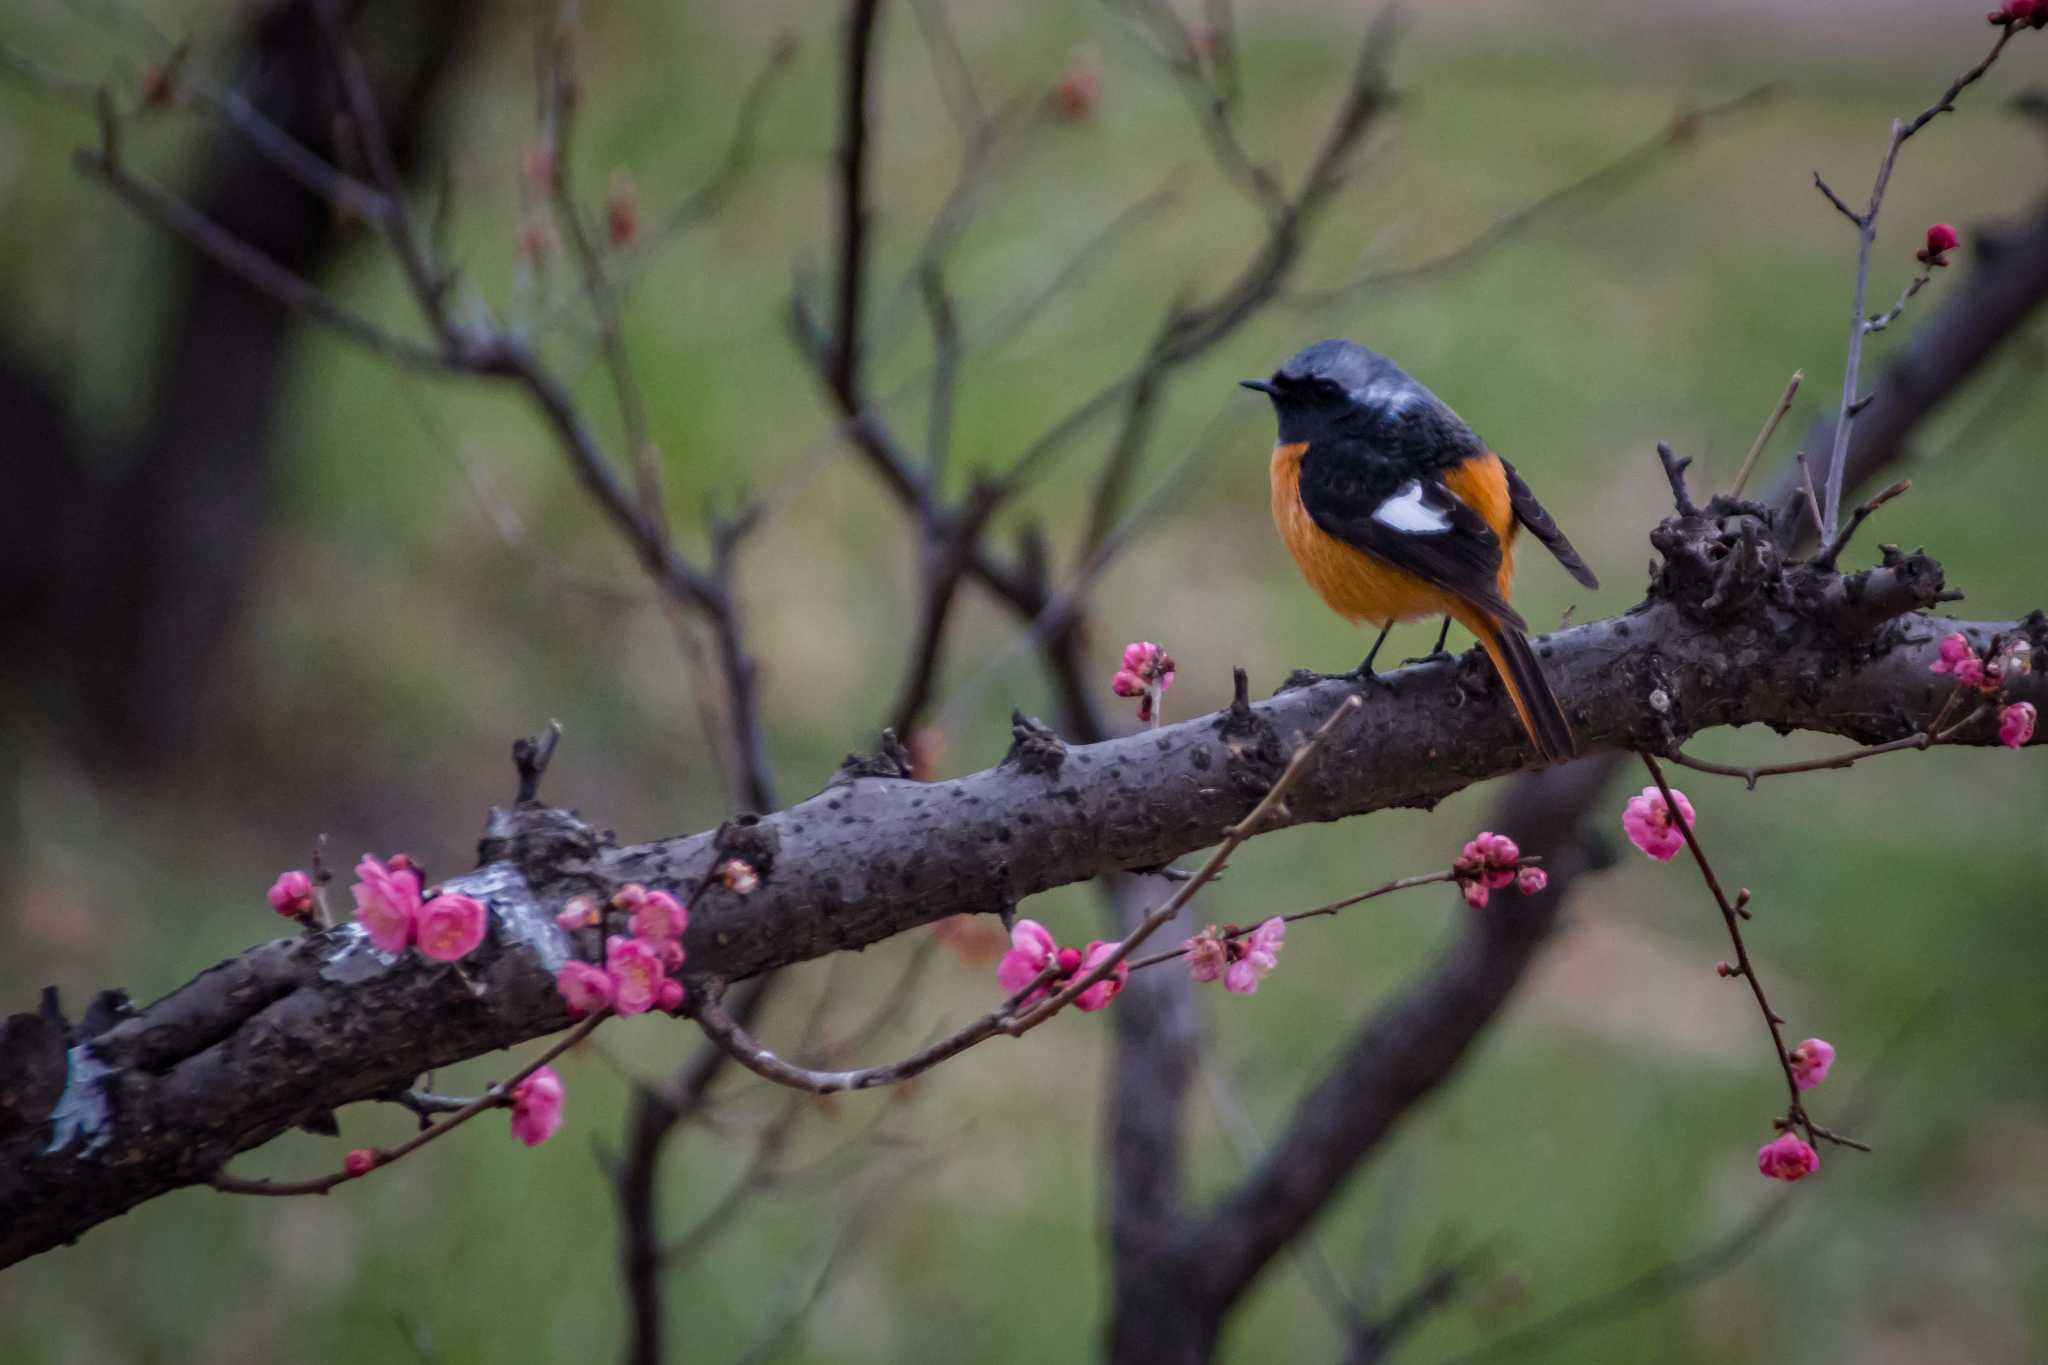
(1415, 524)
(1530, 513)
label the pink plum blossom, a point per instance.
(1032, 949)
(1650, 827)
(537, 1107)
(585, 987)
(1147, 674)
(291, 895)
(2016, 724)
(1810, 1062)
(636, 973)
(1102, 992)
(450, 927)
(387, 901)
(1261, 955)
(659, 917)
(359, 1162)
(579, 912)
(1530, 880)
(1787, 1158)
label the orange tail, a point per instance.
(1530, 691)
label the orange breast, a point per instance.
(1354, 584)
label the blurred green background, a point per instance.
(395, 641)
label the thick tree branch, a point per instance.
(271, 1039)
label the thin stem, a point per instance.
(1732, 916)
(495, 1097)
(1770, 427)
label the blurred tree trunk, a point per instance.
(130, 572)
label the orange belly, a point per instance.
(1354, 584)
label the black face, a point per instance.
(1339, 392)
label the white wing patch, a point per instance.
(1407, 512)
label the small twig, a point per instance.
(1866, 236)
(1674, 474)
(531, 756)
(1403, 884)
(495, 1097)
(1806, 487)
(1611, 177)
(1732, 916)
(1881, 321)
(1751, 776)
(1763, 438)
(1826, 558)
(857, 70)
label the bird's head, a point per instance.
(1338, 386)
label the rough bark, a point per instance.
(280, 1036)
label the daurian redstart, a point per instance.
(1395, 510)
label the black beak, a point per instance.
(1261, 385)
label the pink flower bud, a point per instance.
(1810, 1062)
(585, 988)
(1941, 237)
(359, 1162)
(450, 927)
(1127, 684)
(1073, 99)
(1650, 826)
(2016, 724)
(636, 973)
(671, 998)
(622, 210)
(579, 912)
(537, 1107)
(1726, 969)
(1530, 880)
(1102, 992)
(1069, 960)
(739, 877)
(1787, 1158)
(1475, 894)
(387, 901)
(1970, 672)
(538, 161)
(291, 895)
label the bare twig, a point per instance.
(1770, 427)
(1866, 237)
(495, 1097)
(1608, 179)
(1827, 558)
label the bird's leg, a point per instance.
(1365, 673)
(1437, 655)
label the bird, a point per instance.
(1395, 510)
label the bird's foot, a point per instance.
(1435, 656)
